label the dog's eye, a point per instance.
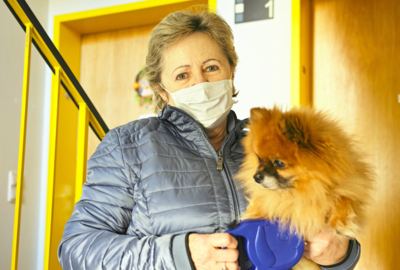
(279, 164)
(260, 159)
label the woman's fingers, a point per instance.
(326, 247)
(210, 251)
(227, 266)
(226, 255)
(222, 240)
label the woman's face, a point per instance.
(191, 60)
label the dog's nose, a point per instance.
(258, 177)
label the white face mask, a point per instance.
(209, 102)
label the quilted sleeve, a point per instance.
(94, 237)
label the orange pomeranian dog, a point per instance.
(302, 168)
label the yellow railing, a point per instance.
(22, 141)
(88, 115)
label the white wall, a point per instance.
(11, 74)
(59, 7)
(264, 48)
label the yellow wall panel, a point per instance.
(68, 43)
(64, 185)
(300, 92)
(125, 16)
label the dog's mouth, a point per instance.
(272, 181)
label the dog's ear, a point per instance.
(258, 114)
(294, 128)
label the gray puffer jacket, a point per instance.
(150, 183)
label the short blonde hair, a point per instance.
(180, 24)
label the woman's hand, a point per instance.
(207, 253)
(326, 248)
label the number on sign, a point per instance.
(270, 6)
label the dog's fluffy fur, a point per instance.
(302, 168)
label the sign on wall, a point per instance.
(253, 10)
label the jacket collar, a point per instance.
(190, 129)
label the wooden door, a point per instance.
(356, 75)
(110, 62)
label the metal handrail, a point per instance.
(88, 115)
(23, 14)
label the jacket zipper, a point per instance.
(220, 162)
(220, 167)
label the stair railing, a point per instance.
(88, 116)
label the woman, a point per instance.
(159, 191)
